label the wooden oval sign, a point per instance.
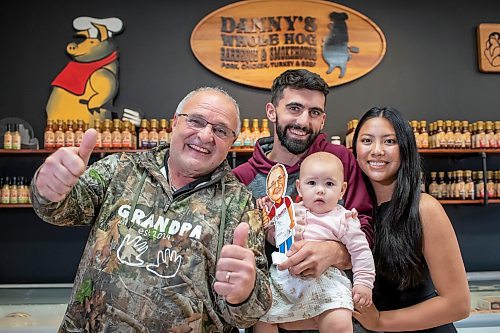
(252, 42)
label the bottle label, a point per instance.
(106, 140)
(237, 142)
(78, 138)
(153, 139)
(22, 196)
(469, 188)
(13, 195)
(481, 141)
(163, 137)
(5, 196)
(143, 140)
(69, 139)
(49, 140)
(127, 140)
(480, 189)
(59, 139)
(16, 141)
(98, 143)
(433, 190)
(491, 190)
(7, 141)
(247, 141)
(116, 140)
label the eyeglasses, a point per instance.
(198, 123)
(279, 180)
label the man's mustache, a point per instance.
(297, 127)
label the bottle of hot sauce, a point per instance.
(143, 135)
(59, 135)
(153, 134)
(126, 135)
(49, 136)
(79, 132)
(16, 138)
(106, 134)
(69, 135)
(116, 135)
(97, 127)
(163, 132)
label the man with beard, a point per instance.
(297, 110)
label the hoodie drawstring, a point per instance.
(136, 196)
(222, 225)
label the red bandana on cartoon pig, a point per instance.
(76, 74)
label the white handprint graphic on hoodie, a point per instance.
(130, 252)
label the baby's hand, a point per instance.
(351, 214)
(362, 295)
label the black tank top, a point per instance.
(387, 295)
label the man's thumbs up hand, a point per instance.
(240, 237)
(61, 170)
(236, 270)
(87, 146)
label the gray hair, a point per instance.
(182, 104)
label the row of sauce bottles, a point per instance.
(12, 137)
(464, 184)
(447, 134)
(457, 134)
(249, 135)
(111, 134)
(15, 190)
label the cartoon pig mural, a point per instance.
(90, 80)
(336, 52)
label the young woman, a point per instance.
(420, 282)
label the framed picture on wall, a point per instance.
(488, 47)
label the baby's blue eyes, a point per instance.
(313, 183)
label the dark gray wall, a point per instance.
(430, 71)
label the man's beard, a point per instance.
(295, 146)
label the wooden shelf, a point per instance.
(241, 150)
(458, 151)
(468, 202)
(250, 150)
(16, 206)
(24, 151)
(99, 151)
(461, 202)
(50, 151)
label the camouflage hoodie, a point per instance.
(149, 263)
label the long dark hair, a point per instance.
(398, 233)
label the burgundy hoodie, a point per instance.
(253, 174)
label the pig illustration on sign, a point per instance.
(90, 80)
(336, 51)
(492, 50)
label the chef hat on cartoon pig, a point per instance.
(112, 24)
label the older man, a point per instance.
(167, 251)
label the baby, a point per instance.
(327, 302)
